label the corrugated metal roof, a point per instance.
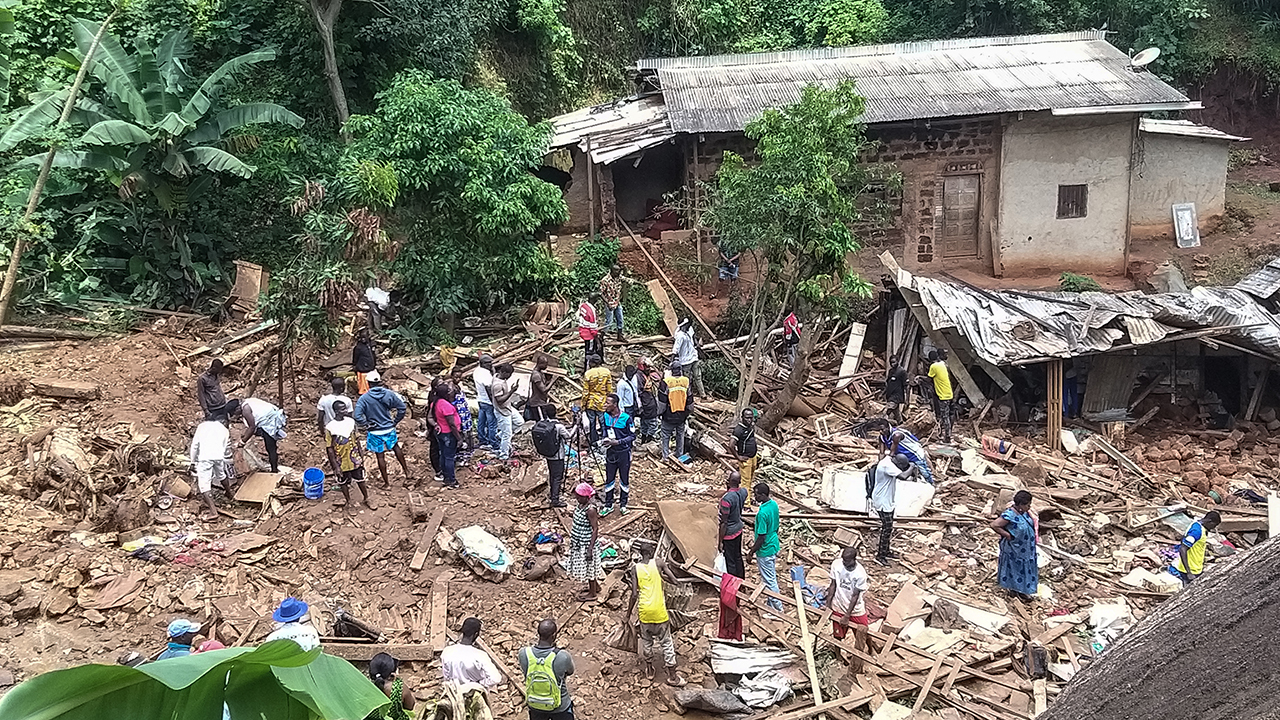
(1186, 128)
(1006, 327)
(909, 81)
(616, 129)
(1264, 282)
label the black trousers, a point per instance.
(886, 532)
(566, 714)
(555, 479)
(733, 558)
(945, 410)
(434, 450)
(273, 449)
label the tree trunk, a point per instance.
(20, 244)
(325, 15)
(781, 403)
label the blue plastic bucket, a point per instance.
(313, 483)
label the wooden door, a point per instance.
(960, 211)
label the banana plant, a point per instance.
(147, 123)
(275, 680)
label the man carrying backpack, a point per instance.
(549, 438)
(545, 668)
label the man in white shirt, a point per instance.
(846, 599)
(882, 486)
(464, 662)
(293, 622)
(628, 392)
(487, 421)
(210, 454)
(324, 408)
(685, 354)
(503, 392)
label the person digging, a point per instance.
(345, 457)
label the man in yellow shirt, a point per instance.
(655, 625)
(597, 383)
(942, 392)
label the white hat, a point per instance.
(373, 376)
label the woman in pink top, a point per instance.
(448, 433)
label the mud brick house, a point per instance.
(1018, 154)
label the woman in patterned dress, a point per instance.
(1017, 568)
(584, 552)
(382, 671)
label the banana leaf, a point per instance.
(276, 681)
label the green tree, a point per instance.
(153, 130)
(275, 680)
(468, 208)
(793, 211)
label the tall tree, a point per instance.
(794, 211)
(324, 13)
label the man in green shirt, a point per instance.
(767, 545)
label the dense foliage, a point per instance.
(152, 206)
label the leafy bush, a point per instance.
(1071, 282)
(595, 257)
(720, 377)
(641, 314)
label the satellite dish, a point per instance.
(1144, 58)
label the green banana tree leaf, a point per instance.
(80, 159)
(313, 685)
(202, 100)
(195, 688)
(116, 69)
(6, 48)
(219, 160)
(34, 119)
(239, 116)
(174, 124)
(148, 78)
(116, 132)
(171, 54)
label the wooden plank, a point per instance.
(852, 701)
(951, 677)
(1258, 390)
(264, 325)
(59, 388)
(806, 643)
(440, 610)
(852, 354)
(1041, 691)
(928, 684)
(258, 487)
(887, 648)
(364, 652)
(428, 539)
(1054, 410)
(663, 301)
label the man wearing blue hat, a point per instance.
(182, 633)
(292, 622)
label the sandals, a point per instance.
(678, 682)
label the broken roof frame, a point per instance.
(1013, 327)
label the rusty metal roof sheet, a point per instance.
(1186, 128)
(1008, 327)
(909, 81)
(617, 129)
(1264, 282)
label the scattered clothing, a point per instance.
(730, 627)
(1017, 568)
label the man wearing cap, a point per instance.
(182, 633)
(685, 353)
(378, 412)
(487, 422)
(673, 392)
(293, 622)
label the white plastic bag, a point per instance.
(720, 567)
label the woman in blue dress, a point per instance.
(1018, 571)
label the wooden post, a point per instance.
(591, 192)
(1053, 376)
(806, 641)
(280, 377)
(1258, 390)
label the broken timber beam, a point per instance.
(922, 316)
(364, 652)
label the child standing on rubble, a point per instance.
(345, 457)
